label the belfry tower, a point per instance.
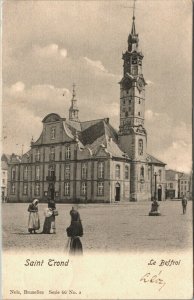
(132, 134)
(73, 110)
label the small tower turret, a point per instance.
(73, 111)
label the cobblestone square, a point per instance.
(119, 227)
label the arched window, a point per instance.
(142, 172)
(52, 153)
(126, 172)
(53, 133)
(117, 171)
(140, 147)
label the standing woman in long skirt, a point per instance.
(33, 221)
(74, 232)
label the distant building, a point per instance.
(178, 184)
(172, 184)
(90, 161)
(4, 176)
(185, 185)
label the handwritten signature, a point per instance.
(149, 278)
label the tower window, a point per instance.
(123, 102)
(140, 147)
(126, 172)
(142, 172)
(126, 114)
(129, 100)
(139, 113)
(139, 101)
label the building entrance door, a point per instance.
(117, 192)
(159, 193)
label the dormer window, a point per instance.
(53, 133)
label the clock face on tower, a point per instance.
(140, 84)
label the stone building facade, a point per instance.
(90, 161)
(4, 177)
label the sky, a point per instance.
(48, 45)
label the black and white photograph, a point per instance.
(96, 152)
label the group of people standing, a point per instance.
(74, 231)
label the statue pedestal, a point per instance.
(155, 209)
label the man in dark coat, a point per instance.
(184, 204)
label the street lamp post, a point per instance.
(155, 189)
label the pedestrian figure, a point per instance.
(184, 204)
(74, 232)
(49, 222)
(33, 221)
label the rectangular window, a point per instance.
(67, 152)
(53, 133)
(84, 188)
(67, 188)
(25, 189)
(101, 170)
(13, 188)
(25, 173)
(171, 185)
(37, 189)
(13, 174)
(52, 153)
(37, 172)
(126, 172)
(3, 181)
(100, 188)
(117, 171)
(67, 171)
(84, 171)
(37, 156)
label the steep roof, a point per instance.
(153, 160)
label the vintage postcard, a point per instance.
(96, 152)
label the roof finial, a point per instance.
(133, 24)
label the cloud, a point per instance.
(51, 50)
(149, 82)
(26, 107)
(18, 87)
(169, 141)
(150, 115)
(98, 67)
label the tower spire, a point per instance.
(133, 36)
(133, 23)
(73, 110)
